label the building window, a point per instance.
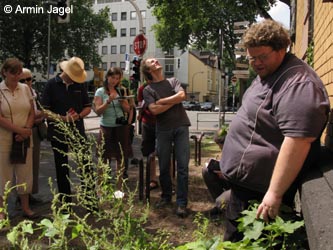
(123, 16)
(114, 16)
(113, 49)
(169, 68)
(122, 32)
(133, 15)
(178, 63)
(170, 52)
(122, 65)
(104, 66)
(122, 49)
(144, 30)
(143, 13)
(131, 51)
(104, 50)
(113, 64)
(132, 31)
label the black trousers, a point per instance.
(62, 170)
(63, 174)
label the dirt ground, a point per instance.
(180, 229)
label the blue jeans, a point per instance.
(179, 138)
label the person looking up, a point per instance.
(163, 98)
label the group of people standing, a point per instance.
(273, 139)
(65, 98)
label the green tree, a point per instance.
(197, 22)
(25, 35)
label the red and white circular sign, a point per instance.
(140, 44)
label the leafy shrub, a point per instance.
(258, 235)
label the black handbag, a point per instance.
(18, 153)
(42, 130)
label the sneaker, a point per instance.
(181, 211)
(163, 203)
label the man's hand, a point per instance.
(269, 207)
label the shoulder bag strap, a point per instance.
(10, 110)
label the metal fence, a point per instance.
(210, 120)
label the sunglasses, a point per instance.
(25, 80)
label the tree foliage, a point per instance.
(25, 36)
(197, 22)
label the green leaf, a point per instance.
(281, 226)
(27, 228)
(254, 231)
(12, 236)
(76, 231)
(46, 223)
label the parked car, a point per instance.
(191, 105)
(186, 105)
(207, 106)
(195, 106)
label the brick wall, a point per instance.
(323, 54)
(323, 46)
(301, 40)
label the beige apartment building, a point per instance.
(204, 77)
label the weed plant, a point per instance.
(282, 234)
(107, 223)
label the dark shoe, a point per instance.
(153, 185)
(181, 211)
(30, 216)
(134, 161)
(34, 201)
(213, 213)
(163, 203)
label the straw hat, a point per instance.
(74, 68)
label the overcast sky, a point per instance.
(280, 12)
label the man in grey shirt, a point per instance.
(275, 135)
(164, 99)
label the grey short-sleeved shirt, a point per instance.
(292, 102)
(175, 116)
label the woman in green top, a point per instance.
(113, 125)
